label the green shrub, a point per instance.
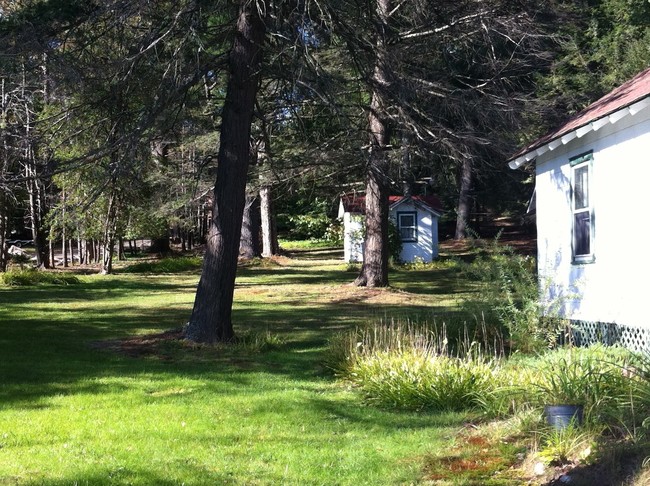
(308, 226)
(409, 366)
(410, 380)
(24, 277)
(509, 295)
(166, 265)
(571, 444)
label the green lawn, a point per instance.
(74, 410)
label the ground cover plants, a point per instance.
(327, 383)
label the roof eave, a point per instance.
(563, 138)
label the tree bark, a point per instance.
(464, 188)
(270, 245)
(3, 238)
(249, 244)
(374, 271)
(211, 318)
(108, 240)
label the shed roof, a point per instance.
(628, 99)
(356, 203)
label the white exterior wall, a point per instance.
(352, 238)
(613, 288)
(425, 249)
(426, 246)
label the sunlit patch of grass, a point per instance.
(261, 412)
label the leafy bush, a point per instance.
(306, 226)
(509, 294)
(166, 265)
(24, 277)
(394, 242)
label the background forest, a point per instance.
(111, 112)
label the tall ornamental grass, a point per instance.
(412, 367)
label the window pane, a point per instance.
(581, 195)
(407, 220)
(407, 234)
(581, 233)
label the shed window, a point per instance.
(407, 224)
(582, 208)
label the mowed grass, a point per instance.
(76, 410)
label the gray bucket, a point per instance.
(560, 416)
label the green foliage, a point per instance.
(410, 367)
(166, 265)
(509, 295)
(394, 242)
(561, 446)
(306, 226)
(26, 277)
(258, 341)
(413, 381)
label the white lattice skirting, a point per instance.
(634, 338)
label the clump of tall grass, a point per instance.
(25, 277)
(166, 265)
(412, 366)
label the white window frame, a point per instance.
(580, 163)
(414, 227)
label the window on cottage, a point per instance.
(582, 207)
(407, 224)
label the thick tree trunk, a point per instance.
(270, 245)
(211, 318)
(464, 188)
(249, 244)
(374, 271)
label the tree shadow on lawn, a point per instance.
(43, 357)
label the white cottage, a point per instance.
(416, 218)
(592, 175)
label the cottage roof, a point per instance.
(628, 99)
(355, 203)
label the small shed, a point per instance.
(591, 178)
(416, 219)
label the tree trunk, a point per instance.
(108, 240)
(211, 318)
(249, 243)
(64, 247)
(374, 271)
(121, 256)
(36, 195)
(464, 188)
(3, 239)
(270, 245)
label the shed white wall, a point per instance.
(352, 238)
(426, 247)
(613, 288)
